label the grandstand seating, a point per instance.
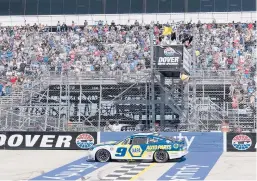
(226, 51)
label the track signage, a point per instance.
(47, 140)
(243, 142)
(168, 57)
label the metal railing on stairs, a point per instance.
(13, 106)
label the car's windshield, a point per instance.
(124, 142)
(167, 138)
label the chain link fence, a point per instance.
(216, 98)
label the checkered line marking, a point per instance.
(127, 171)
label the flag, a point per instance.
(167, 31)
(184, 77)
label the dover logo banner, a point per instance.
(47, 140)
(170, 56)
(244, 142)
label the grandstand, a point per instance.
(80, 75)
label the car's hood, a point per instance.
(107, 143)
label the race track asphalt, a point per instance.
(72, 165)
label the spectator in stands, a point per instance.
(108, 127)
(8, 89)
(58, 27)
(1, 89)
(64, 27)
(116, 127)
(85, 24)
(117, 49)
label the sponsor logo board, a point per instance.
(168, 56)
(85, 141)
(47, 140)
(241, 142)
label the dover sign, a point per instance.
(196, 142)
(47, 140)
(169, 56)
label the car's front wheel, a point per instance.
(103, 155)
(161, 156)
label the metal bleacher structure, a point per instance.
(85, 101)
(212, 104)
(64, 102)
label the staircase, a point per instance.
(210, 115)
(14, 107)
(10, 100)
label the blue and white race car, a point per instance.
(142, 146)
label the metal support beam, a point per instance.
(172, 101)
(100, 106)
(162, 104)
(152, 122)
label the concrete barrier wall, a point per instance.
(197, 142)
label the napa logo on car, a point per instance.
(85, 141)
(136, 151)
(241, 142)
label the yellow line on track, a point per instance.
(143, 171)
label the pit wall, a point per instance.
(196, 141)
(202, 142)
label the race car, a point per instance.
(140, 146)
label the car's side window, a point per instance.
(152, 140)
(126, 142)
(139, 140)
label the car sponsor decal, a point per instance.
(136, 151)
(156, 147)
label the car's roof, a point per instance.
(145, 134)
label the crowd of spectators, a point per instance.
(28, 51)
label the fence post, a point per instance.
(224, 142)
(100, 104)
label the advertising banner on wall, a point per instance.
(241, 142)
(47, 140)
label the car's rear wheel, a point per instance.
(161, 156)
(103, 155)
